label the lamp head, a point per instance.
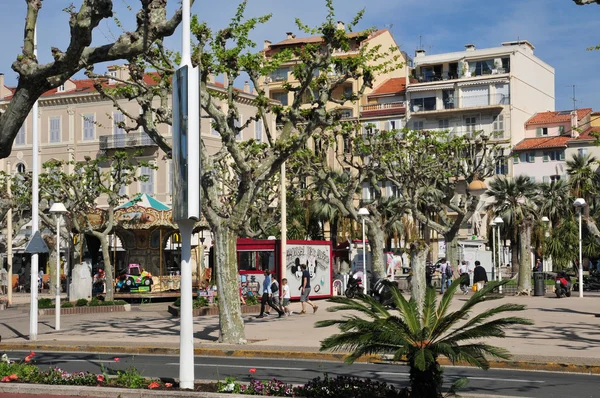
(498, 220)
(579, 202)
(58, 209)
(545, 219)
(492, 224)
(363, 212)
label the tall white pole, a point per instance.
(57, 294)
(186, 58)
(283, 223)
(9, 232)
(33, 313)
(493, 249)
(580, 258)
(364, 257)
(186, 333)
(499, 259)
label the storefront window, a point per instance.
(256, 260)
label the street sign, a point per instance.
(36, 244)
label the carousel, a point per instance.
(148, 237)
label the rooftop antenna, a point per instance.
(420, 42)
(574, 99)
(390, 27)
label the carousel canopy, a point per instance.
(144, 200)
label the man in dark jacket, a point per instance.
(479, 276)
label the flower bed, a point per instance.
(82, 306)
(214, 310)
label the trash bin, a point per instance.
(539, 288)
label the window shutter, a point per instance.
(561, 155)
(546, 157)
(516, 159)
(538, 132)
(561, 130)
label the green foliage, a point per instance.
(200, 302)
(81, 302)
(45, 303)
(130, 378)
(230, 385)
(95, 302)
(67, 304)
(251, 299)
(421, 340)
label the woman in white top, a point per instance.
(285, 296)
(465, 279)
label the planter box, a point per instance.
(86, 310)
(214, 310)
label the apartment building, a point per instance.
(75, 122)
(275, 82)
(494, 90)
(550, 139)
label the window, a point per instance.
(347, 144)
(213, 130)
(237, 124)
(391, 125)
(368, 192)
(20, 139)
(118, 118)
(258, 130)
(517, 158)
(545, 179)
(498, 126)
(88, 127)
(532, 179)
(483, 67)
(348, 92)
(444, 124)
(475, 96)
(471, 123)
(423, 104)
(530, 157)
(502, 166)
(417, 125)
(280, 74)
(541, 132)
(392, 190)
(21, 168)
(148, 185)
(561, 130)
(256, 260)
(370, 128)
(280, 96)
(582, 151)
(54, 135)
(560, 155)
(123, 190)
(448, 98)
(60, 89)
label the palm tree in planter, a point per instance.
(421, 340)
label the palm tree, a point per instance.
(583, 179)
(515, 200)
(421, 340)
(556, 202)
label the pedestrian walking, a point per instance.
(479, 276)
(305, 291)
(266, 296)
(275, 292)
(4, 281)
(447, 273)
(465, 279)
(285, 296)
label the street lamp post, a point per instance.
(499, 221)
(546, 221)
(58, 209)
(493, 225)
(579, 204)
(364, 213)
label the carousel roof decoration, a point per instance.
(144, 200)
(144, 212)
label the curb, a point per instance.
(300, 355)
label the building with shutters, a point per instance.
(493, 90)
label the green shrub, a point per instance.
(130, 378)
(251, 300)
(119, 302)
(95, 302)
(81, 303)
(177, 303)
(200, 302)
(67, 304)
(45, 303)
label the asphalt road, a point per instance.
(493, 382)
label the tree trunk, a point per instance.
(226, 269)
(525, 265)
(452, 249)
(514, 257)
(52, 271)
(108, 269)
(377, 243)
(418, 259)
(425, 383)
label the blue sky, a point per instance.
(559, 30)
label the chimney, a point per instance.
(470, 47)
(574, 125)
(341, 26)
(1, 86)
(419, 53)
(246, 87)
(290, 35)
(266, 45)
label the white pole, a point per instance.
(186, 58)
(364, 257)
(580, 259)
(499, 259)
(283, 224)
(33, 308)
(57, 294)
(186, 334)
(493, 250)
(9, 233)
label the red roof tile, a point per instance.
(542, 143)
(391, 86)
(318, 39)
(556, 116)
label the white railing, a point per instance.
(384, 106)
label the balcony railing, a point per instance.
(130, 140)
(389, 108)
(463, 102)
(433, 77)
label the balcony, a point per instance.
(123, 141)
(386, 109)
(461, 103)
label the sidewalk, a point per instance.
(565, 332)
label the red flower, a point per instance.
(153, 385)
(252, 370)
(5, 379)
(32, 354)
(117, 359)
(27, 359)
(100, 378)
(13, 377)
(168, 385)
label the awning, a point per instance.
(433, 87)
(486, 81)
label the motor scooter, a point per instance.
(562, 286)
(354, 287)
(382, 292)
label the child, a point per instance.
(285, 296)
